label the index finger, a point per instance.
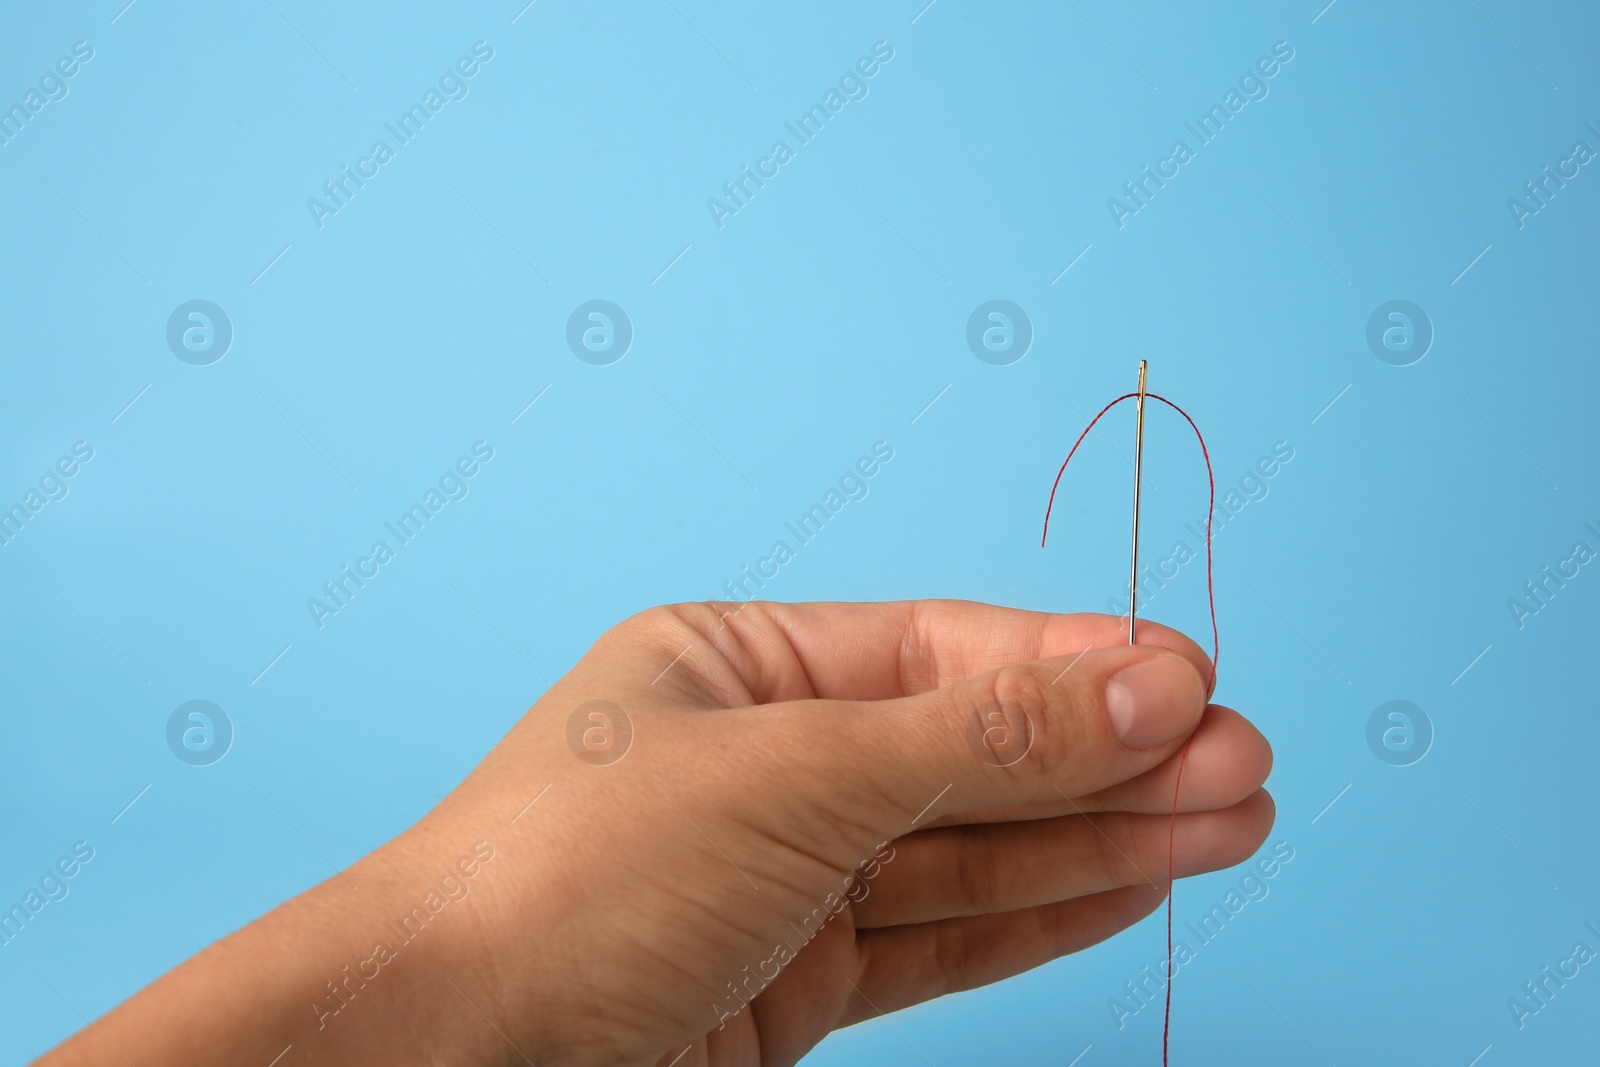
(880, 651)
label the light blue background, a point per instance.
(823, 317)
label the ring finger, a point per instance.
(979, 870)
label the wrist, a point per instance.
(405, 970)
(357, 970)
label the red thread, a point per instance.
(1211, 601)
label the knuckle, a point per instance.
(651, 622)
(951, 953)
(1024, 685)
(738, 648)
(1117, 848)
(1055, 711)
(707, 617)
(978, 880)
(648, 635)
(917, 672)
(1002, 714)
(668, 625)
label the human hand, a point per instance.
(819, 819)
(790, 761)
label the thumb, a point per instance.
(1025, 733)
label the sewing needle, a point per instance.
(1138, 477)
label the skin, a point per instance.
(780, 754)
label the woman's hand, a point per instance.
(731, 829)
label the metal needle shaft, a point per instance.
(1138, 479)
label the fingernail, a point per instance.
(1154, 701)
